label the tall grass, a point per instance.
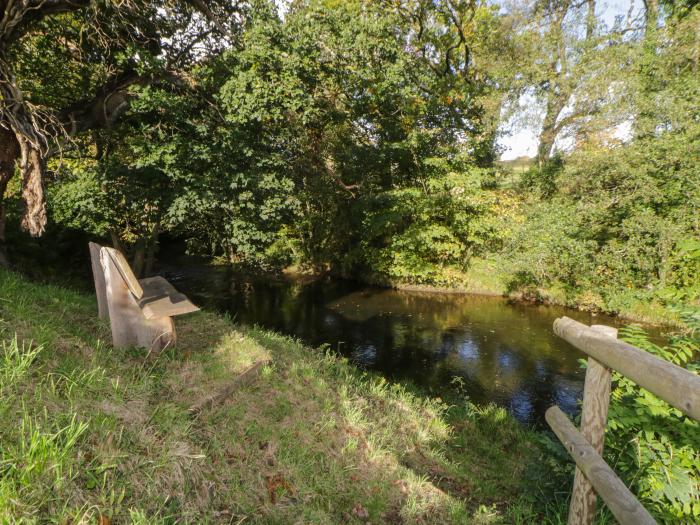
(15, 360)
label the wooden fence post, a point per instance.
(594, 416)
(620, 501)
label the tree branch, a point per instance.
(17, 14)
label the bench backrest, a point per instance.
(124, 270)
(98, 275)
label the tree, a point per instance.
(106, 48)
(574, 66)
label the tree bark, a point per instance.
(646, 119)
(651, 15)
(9, 152)
(555, 105)
(558, 90)
(32, 165)
(591, 21)
(486, 148)
(233, 257)
(562, 82)
(152, 248)
(116, 243)
(29, 129)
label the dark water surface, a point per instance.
(498, 351)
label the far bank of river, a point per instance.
(483, 279)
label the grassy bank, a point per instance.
(89, 434)
(486, 277)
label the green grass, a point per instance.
(90, 434)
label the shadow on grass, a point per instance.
(311, 440)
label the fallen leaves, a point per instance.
(276, 482)
(360, 512)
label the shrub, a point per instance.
(415, 234)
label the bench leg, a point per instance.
(129, 326)
(155, 334)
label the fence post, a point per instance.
(594, 416)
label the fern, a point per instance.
(651, 444)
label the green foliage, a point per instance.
(543, 179)
(309, 119)
(550, 249)
(113, 199)
(360, 137)
(78, 202)
(415, 234)
(621, 224)
(652, 445)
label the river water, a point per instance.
(484, 348)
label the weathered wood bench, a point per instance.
(140, 311)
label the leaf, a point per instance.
(360, 512)
(277, 482)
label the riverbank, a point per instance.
(484, 277)
(90, 431)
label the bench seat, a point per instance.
(161, 299)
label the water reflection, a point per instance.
(501, 352)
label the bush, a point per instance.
(620, 229)
(415, 234)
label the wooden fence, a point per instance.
(677, 386)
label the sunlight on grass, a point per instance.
(91, 431)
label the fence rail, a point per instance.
(675, 385)
(621, 502)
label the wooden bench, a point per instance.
(140, 311)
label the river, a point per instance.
(452, 345)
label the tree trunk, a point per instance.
(646, 120)
(233, 257)
(559, 89)
(139, 260)
(32, 164)
(591, 21)
(555, 105)
(116, 243)
(152, 248)
(29, 130)
(486, 149)
(651, 15)
(9, 152)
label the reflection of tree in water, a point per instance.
(506, 353)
